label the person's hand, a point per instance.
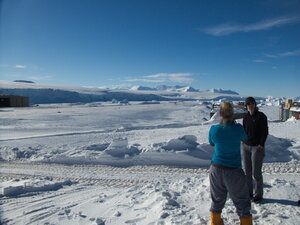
(260, 147)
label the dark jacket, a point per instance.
(256, 127)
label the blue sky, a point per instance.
(251, 47)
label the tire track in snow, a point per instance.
(119, 176)
(99, 175)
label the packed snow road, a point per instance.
(119, 176)
(95, 174)
(94, 194)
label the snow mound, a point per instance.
(15, 153)
(187, 145)
(203, 151)
(97, 147)
(119, 148)
(182, 143)
(292, 119)
(22, 186)
(277, 149)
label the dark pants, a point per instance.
(253, 157)
(223, 181)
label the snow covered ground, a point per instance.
(106, 163)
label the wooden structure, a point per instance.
(13, 101)
(295, 110)
(289, 109)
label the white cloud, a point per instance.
(274, 67)
(14, 66)
(21, 66)
(259, 61)
(165, 77)
(146, 80)
(270, 56)
(291, 53)
(169, 75)
(88, 86)
(226, 29)
(284, 54)
(103, 87)
(18, 76)
(182, 80)
(223, 29)
(121, 86)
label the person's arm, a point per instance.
(264, 130)
(210, 140)
(244, 135)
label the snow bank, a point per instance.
(184, 150)
(22, 186)
(185, 142)
(292, 119)
(119, 148)
(150, 102)
(277, 149)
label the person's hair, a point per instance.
(226, 112)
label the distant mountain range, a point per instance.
(142, 88)
(178, 88)
(39, 93)
(297, 99)
(219, 90)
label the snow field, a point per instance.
(131, 164)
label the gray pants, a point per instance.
(253, 159)
(223, 181)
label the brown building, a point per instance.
(295, 110)
(290, 109)
(13, 101)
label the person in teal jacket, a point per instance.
(226, 175)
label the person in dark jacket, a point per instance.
(255, 124)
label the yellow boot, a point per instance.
(246, 220)
(216, 219)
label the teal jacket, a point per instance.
(227, 142)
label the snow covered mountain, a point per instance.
(221, 91)
(39, 93)
(187, 89)
(297, 99)
(164, 88)
(176, 88)
(142, 88)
